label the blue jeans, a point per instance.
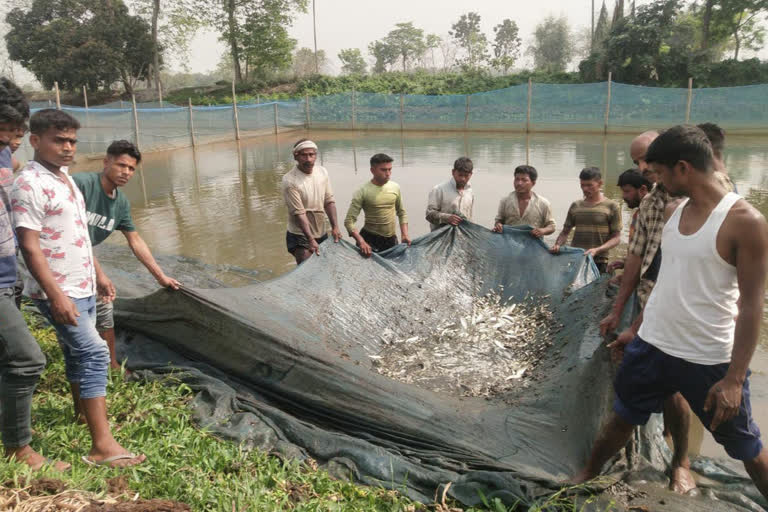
(21, 363)
(86, 355)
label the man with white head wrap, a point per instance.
(309, 197)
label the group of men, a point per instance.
(699, 307)
(49, 223)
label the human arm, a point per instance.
(498, 222)
(612, 242)
(404, 238)
(63, 309)
(141, 250)
(15, 164)
(547, 222)
(403, 217)
(751, 260)
(568, 225)
(330, 211)
(104, 287)
(624, 338)
(349, 222)
(629, 280)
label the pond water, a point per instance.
(221, 203)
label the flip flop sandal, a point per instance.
(108, 460)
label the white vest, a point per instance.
(691, 311)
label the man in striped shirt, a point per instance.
(596, 219)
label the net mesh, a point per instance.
(553, 107)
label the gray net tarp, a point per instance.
(285, 366)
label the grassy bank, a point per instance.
(185, 465)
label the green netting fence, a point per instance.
(605, 107)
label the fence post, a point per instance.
(274, 104)
(307, 115)
(85, 98)
(191, 124)
(690, 100)
(607, 104)
(528, 112)
(121, 104)
(402, 109)
(466, 114)
(160, 92)
(234, 112)
(354, 108)
(135, 121)
(58, 98)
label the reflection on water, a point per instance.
(221, 203)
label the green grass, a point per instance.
(185, 463)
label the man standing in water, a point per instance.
(108, 210)
(380, 199)
(596, 218)
(309, 198)
(51, 223)
(524, 206)
(452, 201)
(700, 326)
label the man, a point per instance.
(697, 335)
(309, 197)
(380, 199)
(15, 144)
(596, 218)
(108, 210)
(524, 206)
(51, 224)
(21, 360)
(716, 137)
(641, 268)
(452, 201)
(634, 187)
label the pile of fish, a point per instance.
(484, 353)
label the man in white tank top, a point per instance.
(715, 264)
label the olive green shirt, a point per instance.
(380, 204)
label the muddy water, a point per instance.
(221, 203)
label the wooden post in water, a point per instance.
(274, 104)
(191, 124)
(607, 104)
(354, 109)
(135, 121)
(690, 100)
(58, 98)
(528, 112)
(234, 112)
(307, 115)
(85, 98)
(121, 104)
(402, 109)
(160, 92)
(466, 114)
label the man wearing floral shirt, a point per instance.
(52, 227)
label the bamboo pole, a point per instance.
(690, 100)
(402, 110)
(160, 92)
(234, 112)
(50, 103)
(528, 112)
(274, 105)
(58, 98)
(307, 114)
(354, 109)
(607, 104)
(121, 104)
(191, 124)
(466, 113)
(135, 121)
(85, 98)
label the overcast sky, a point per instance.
(355, 23)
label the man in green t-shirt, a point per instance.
(109, 210)
(596, 219)
(380, 199)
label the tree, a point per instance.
(304, 62)
(741, 20)
(552, 45)
(601, 29)
(266, 45)
(352, 62)
(467, 34)
(383, 55)
(405, 41)
(80, 42)
(506, 45)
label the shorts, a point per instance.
(294, 241)
(105, 319)
(378, 243)
(647, 377)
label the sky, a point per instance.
(355, 23)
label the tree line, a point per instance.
(97, 43)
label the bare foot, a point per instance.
(682, 480)
(120, 459)
(34, 460)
